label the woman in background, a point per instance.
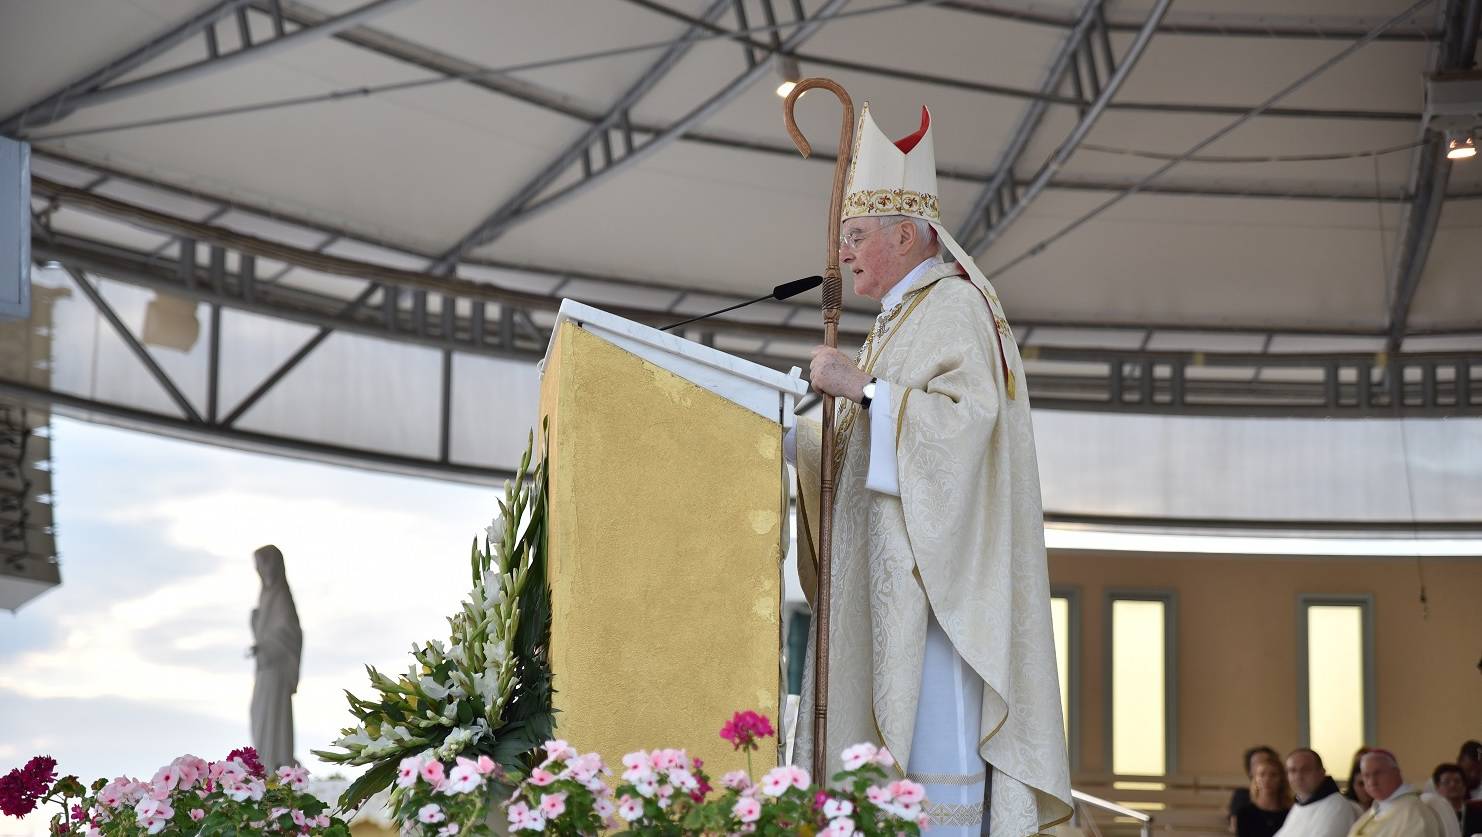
(1270, 799)
(1355, 789)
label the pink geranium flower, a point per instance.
(745, 729)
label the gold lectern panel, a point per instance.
(665, 555)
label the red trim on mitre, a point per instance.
(905, 144)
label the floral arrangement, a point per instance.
(666, 792)
(187, 796)
(487, 693)
(434, 800)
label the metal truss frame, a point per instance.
(528, 201)
(1432, 171)
(1001, 202)
(506, 322)
(97, 87)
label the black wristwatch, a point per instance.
(869, 394)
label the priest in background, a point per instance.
(1321, 811)
(1398, 810)
(941, 646)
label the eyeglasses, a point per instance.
(851, 239)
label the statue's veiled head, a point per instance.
(269, 562)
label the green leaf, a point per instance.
(377, 778)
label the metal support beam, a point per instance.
(1034, 113)
(1290, 27)
(988, 231)
(133, 345)
(525, 205)
(294, 360)
(248, 53)
(1431, 174)
(595, 133)
(59, 104)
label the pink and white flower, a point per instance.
(878, 795)
(629, 808)
(552, 805)
(841, 827)
(747, 810)
(408, 771)
(486, 765)
(448, 830)
(736, 780)
(907, 792)
(858, 756)
(559, 750)
(540, 777)
(432, 773)
(835, 808)
(464, 777)
(294, 777)
(431, 813)
(683, 779)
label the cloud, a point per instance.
(139, 655)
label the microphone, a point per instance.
(786, 290)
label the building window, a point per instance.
(1065, 620)
(1141, 679)
(1336, 694)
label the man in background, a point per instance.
(1321, 811)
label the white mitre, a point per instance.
(898, 178)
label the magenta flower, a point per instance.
(745, 728)
(23, 787)
(249, 759)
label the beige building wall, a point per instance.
(1237, 657)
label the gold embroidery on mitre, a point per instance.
(891, 202)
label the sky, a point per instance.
(139, 655)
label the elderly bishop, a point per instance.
(941, 646)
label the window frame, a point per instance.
(1169, 599)
(1072, 596)
(1365, 603)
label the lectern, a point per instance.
(667, 531)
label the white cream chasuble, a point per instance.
(940, 625)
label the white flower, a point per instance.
(841, 827)
(430, 813)
(463, 778)
(835, 808)
(629, 808)
(433, 689)
(496, 651)
(858, 756)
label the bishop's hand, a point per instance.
(831, 372)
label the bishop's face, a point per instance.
(872, 253)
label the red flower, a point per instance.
(250, 761)
(745, 728)
(23, 787)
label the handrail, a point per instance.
(1145, 821)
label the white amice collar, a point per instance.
(897, 292)
(1401, 791)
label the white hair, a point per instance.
(923, 227)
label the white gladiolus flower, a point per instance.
(434, 689)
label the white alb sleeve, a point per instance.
(883, 477)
